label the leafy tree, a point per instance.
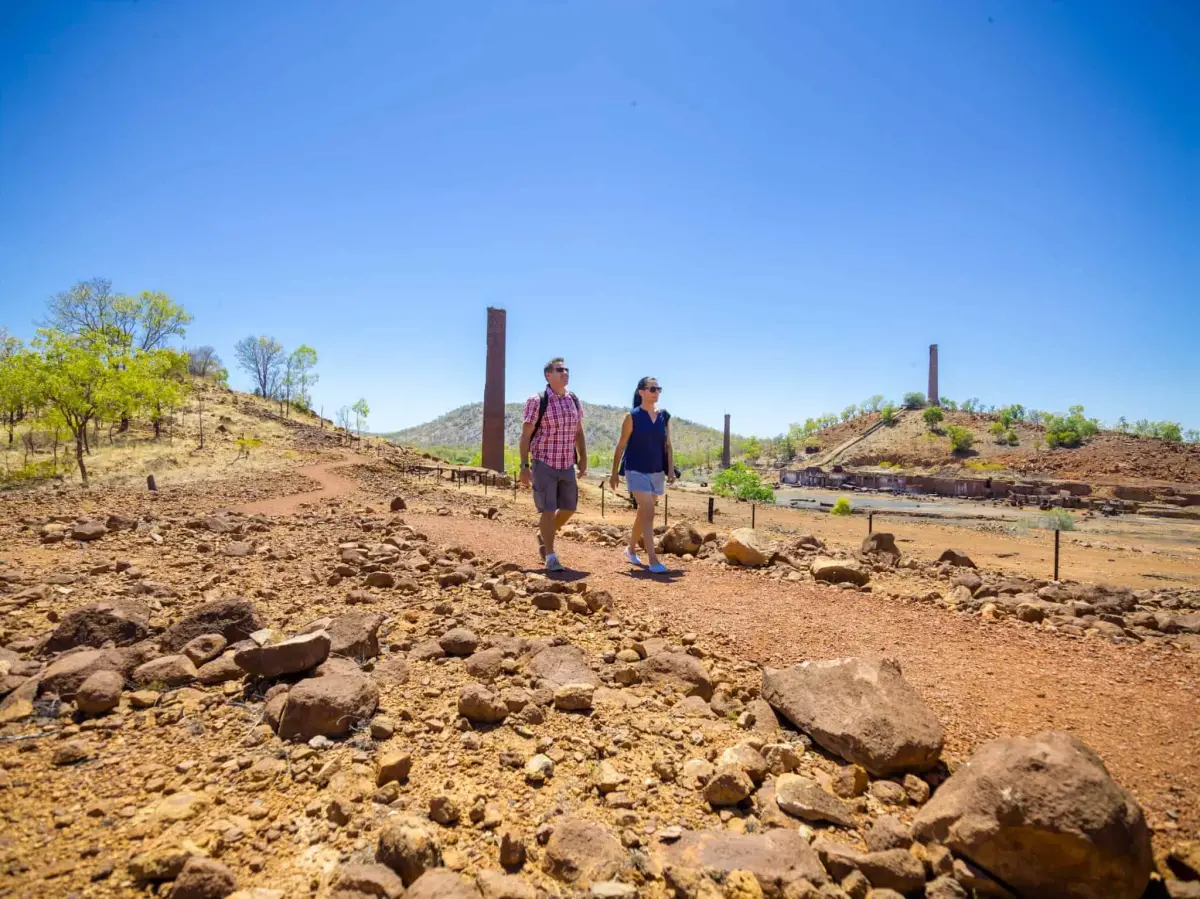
(1036, 416)
(1070, 430)
(971, 404)
(785, 447)
(871, 404)
(203, 361)
(343, 418)
(914, 400)
(16, 381)
(933, 417)
(1170, 430)
(1011, 437)
(961, 439)
(361, 410)
(997, 431)
(300, 366)
(948, 404)
(742, 482)
(262, 358)
(1192, 435)
(145, 322)
(752, 449)
(1122, 425)
(888, 414)
(841, 507)
(156, 382)
(849, 412)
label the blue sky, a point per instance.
(774, 206)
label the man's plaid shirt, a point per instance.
(554, 442)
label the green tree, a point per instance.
(785, 447)
(203, 361)
(1122, 425)
(871, 404)
(262, 358)
(1071, 429)
(145, 322)
(841, 507)
(361, 410)
(301, 363)
(16, 381)
(849, 412)
(154, 382)
(752, 448)
(888, 414)
(933, 417)
(742, 482)
(971, 404)
(1192, 435)
(997, 431)
(961, 439)
(914, 400)
(948, 404)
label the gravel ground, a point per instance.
(1137, 706)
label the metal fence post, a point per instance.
(753, 509)
(666, 507)
(601, 499)
(710, 510)
(1056, 535)
(870, 523)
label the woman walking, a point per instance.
(645, 445)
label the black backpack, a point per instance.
(666, 421)
(542, 404)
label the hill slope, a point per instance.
(463, 427)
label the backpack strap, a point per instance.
(543, 403)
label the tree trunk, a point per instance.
(79, 439)
(124, 424)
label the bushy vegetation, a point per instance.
(933, 417)
(914, 400)
(961, 439)
(841, 507)
(743, 483)
(1071, 429)
(888, 414)
(1057, 520)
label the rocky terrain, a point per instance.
(216, 690)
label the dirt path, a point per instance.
(331, 485)
(1138, 706)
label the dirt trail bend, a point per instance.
(331, 485)
(1138, 706)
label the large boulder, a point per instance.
(168, 671)
(558, 665)
(582, 851)
(862, 710)
(745, 548)
(682, 539)
(100, 693)
(235, 619)
(327, 706)
(839, 571)
(121, 621)
(680, 670)
(881, 543)
(355, 635)
(957, 558)
(87, 531)
(408, 846)
(65, 674)
(292, 656)
(1042, 814)
(774, 857)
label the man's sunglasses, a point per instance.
(653, 389)
(561, 369)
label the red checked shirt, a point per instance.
(554, 442)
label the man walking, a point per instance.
(553, 436)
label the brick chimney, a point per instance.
(493, 392)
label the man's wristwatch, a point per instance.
(524, 466)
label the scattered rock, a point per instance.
(839, 571)
(682, 539)
(804, 799)
(327, 706)
(728, 786)
(581, 851)
(117, 621)
(479, 705)
(745, 548)
(407, 847)
(374, 881)
(680, 670)
(302, 653)
(774, 858)
(957, 558)
(88, 531)
(100, 693)
(235, 619)
(170, 671)
(862, 710)
(558, 665)
(204, 649)
(459, 641)
(442, 884)
(203, 878)
(1042, 814)
(574, 697)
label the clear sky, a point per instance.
(773, 206)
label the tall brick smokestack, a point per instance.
(493, 392)
(725, 447)
(934, 397)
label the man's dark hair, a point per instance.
(552, 363)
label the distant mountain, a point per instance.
(463, 427)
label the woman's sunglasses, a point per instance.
(653, 389)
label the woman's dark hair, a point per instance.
(637, 394)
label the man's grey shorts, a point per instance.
(554, 489)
